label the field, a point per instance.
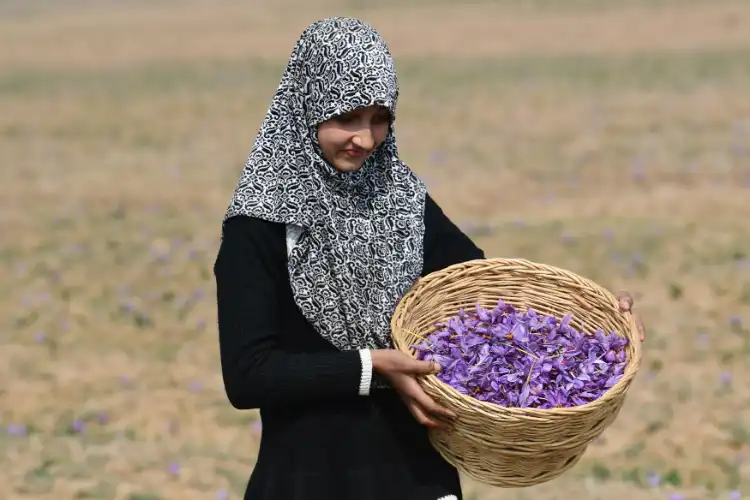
(611, 138)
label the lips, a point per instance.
(356, 154)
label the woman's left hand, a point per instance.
(625, 301)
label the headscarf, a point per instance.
(361, 247)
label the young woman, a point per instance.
(326, 231)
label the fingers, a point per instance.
(421, 416)
(424, 367)
(433, 408)
(422, 406)
(417, 394)
(425, 417)
(391, 361)
(625, 301)
(641, 327)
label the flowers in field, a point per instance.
(78, 426)
(16, 429)
(517, 359)
(654, 480)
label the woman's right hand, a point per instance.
(400, 370)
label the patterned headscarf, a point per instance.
(361, 246)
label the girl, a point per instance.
(326, 231)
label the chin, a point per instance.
(348, 167)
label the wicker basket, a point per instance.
(515, 447)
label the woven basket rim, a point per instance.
(631, 367)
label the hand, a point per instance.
(625, 301)
(400, 370)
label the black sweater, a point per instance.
(273, 360)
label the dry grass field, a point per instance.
(608, 137)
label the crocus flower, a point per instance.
(524, 359)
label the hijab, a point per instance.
(361, 242)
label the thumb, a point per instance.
(426, 367)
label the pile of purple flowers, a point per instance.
(525, 360)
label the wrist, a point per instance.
(376, 355)
(365, 381)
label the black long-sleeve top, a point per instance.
(316, 417)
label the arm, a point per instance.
(444, 243)
(257, 372)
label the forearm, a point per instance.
(273, 377)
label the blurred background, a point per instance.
(608, 137)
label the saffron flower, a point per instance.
(524, 359)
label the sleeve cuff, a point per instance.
(366, 379)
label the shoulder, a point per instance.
(253, 231)
(432, 210)
(435, 219)
(243, 225)
(444, 242)
(251, 239)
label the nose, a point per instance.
(364, 139)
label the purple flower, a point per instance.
(703, 340)
(567, 239)
(653, 479)
(557, 398)
(174, 468)
(735, 323)
(525, 359)
(77, 426)
(16, 429)
(735, 495)
(437, 158)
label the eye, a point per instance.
(345, 118)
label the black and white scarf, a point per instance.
(360, 247)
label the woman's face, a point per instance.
(348, 140)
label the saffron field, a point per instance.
(610, 138)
